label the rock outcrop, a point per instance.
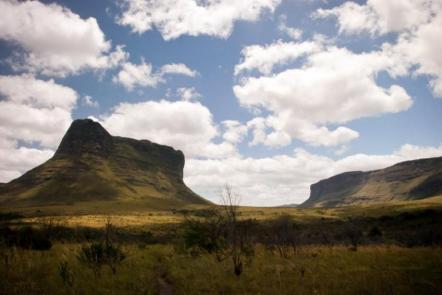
(416, 179)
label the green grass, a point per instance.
(166, 267)
(161, 269)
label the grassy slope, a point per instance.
(91, 183)
(410, 180)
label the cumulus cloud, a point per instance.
(293, 33)
(142, 75)
(285, 179)
(332, 86)
(178, 69)
(185, 125)
(381, 17)
(15, 160)
(421, 50)
(132, 75)
(417, 22)
(265, 58)
(54, 40)
(191, 17)
(90, 102)
(35, 112)
(234, 131)
(188, 93)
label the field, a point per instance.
(159, 269)
(378, 249)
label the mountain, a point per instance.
(409, 180)
(288, 206)
(92, 165)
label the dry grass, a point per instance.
(314, 270)
(138, 214)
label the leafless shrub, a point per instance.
(282, 236)
(238, 233)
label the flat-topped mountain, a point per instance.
(92, 165)
(409, 180)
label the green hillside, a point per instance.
(410, 180)
(90, 165)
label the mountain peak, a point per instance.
(85, 136)
(92, 165)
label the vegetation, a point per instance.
(98, 254)
(151, 270)
(227, 250)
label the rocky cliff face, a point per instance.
(85, 136)
(408, 180)
(92, 165)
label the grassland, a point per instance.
(140, 213)
(404, 257)
(162, 269)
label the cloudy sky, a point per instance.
(269, 96)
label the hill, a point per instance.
(91, 165)
(411, 180)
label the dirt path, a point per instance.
(165, 288)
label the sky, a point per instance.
(268, 96)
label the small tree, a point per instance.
(238, 233)
(221, 232)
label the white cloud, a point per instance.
(265, 58)
(28, 90)
(234, 131)
(35, 112)
(133, 75)
(55, 41)
(293, 33)
(259, 131)
(191, 17)
(418, 23)
(381, 17)
(184, 125)
(188, 94)
(333, 86)
(285, 179)
(14, 160)
(178, 69)
(90, 102)
(422, 48)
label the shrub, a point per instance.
(93, 257)
(282, 235)
(207, 234)
(7, 216)
(98, 254)
(29, 238)
(354, 235)
(375, 233)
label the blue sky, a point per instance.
(267, 95)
